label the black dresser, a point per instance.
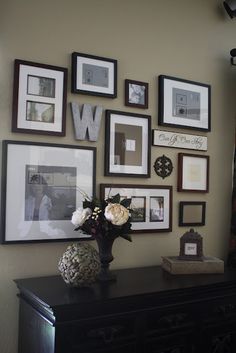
(145, 310)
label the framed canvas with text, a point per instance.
(94, 75)
(184, 104)
(136, 94)
(192, 213)
(42, 185)
(39, 98)
(193, 172)
(151, 205)
(127, 144)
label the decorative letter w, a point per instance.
(86, 124)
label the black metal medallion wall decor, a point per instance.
(163, 166)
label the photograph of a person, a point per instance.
(136, 94)
(156, 209)
(43, 112)
(138, 206)
(50, 193)
(41, 86)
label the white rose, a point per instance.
(80, 216)
(116, 214)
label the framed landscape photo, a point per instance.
(193, 172)
(192, 213)
(94, 75)
(39, 98)
(127, 144)
(42, 185)
(184, 104)
(151, 205)
(136, 94)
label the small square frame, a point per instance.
(192, 213)
(184, 104)
(193, 172)
(94, 75)
(39, 98)
(136, 94)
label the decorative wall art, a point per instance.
(184, 104)
(192, 213)
(163, 166)
(151, 205)
(179, 140)
(39, 98)
(42, 186)
(193, 172)
(94, 75)
(136, 94)
(128, 144)
(87, 120)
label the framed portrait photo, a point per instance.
(184, 104)
(39, 98)
(127, 144)
(192, 213)
(151, 205)
(193, 172)
(43, 184)
(136, 94)
(94, 75)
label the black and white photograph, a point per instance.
(151, 205)
(184, 104)
(39, 98)
(43, 185)
(138, 207)
(128, 143)
(136, 94)
(94, 75)
(156, 209)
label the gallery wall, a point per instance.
(186, 39)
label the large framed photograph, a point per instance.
(127, 144)
(193, 172)
(94, 75)
(39, 98)
(136, 94)
(192, 213)
(43, 184)
(151, 205)
(184, 104)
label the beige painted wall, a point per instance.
(185, 38)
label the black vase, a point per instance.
(105, 253)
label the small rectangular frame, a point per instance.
(153, 205)
(193, 172)
(42, 185)
(184, 103)
(94, 75)
(127, 144)
(136, 94)
(192, 213)
(39, 98)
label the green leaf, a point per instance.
(115, 198)
(126, 202)
(126, 236)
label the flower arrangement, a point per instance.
(108, 218)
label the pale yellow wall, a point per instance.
(186, 38)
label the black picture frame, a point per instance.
(184, 104)
(127, 144)
(39, 98)
(42, 185)
(136, 94)
(94, 75)
(192, 213)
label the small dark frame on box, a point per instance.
(192, 213)
(191, 246)
(136, 94)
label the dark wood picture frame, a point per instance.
(199, 173)
(94, 75)
(136, 99)
(124, 134)
(39, 98)
(63, 173)
(186, 207)
(164, 223)
(184, 104)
